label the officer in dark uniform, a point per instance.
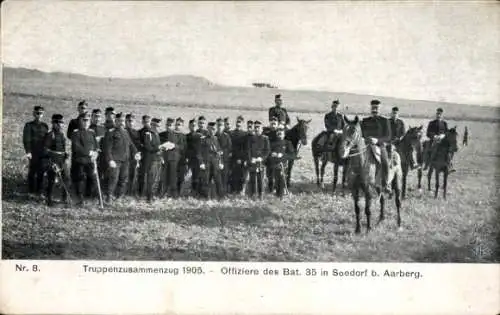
(182, 166)
(377, 130)
(227, 125)
(238, 155)
(191, 147)
(278, 111)
(118, 147)
(281, 151)
(100, 130)
(134, 164)
(55, 158)
(151, 156)
(436, 130)
(84, 153)
(109, 113)
(245, 175)
(258, 151)
(272, 134)
(226, 147)
(334, 124)
(33, 137)
(74, 123)
(398, 130)
(209, 155)
(171, 156)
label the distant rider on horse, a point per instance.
(334, 124)
(436, 131)
(279, 112)
(398, 130)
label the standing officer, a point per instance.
(334, 124)
(238, 155)
(191, 148)
(281, 151)
(171, 156)
(56, 156)
(118, 147)
(245, 174)
(278, 111)
(151, 159)
(226, 147)
(110, 118)
(74, 124)
(33, 137)
(209, 155)
(436, 130)
(134, 164)
(258, 151)
(99, 130)
(377, 130)
(272, 134)
(181, 146)
(83, 156)
(227, 125)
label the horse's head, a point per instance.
(351, 136)
(302, 126)
(451, 137)
(413, 135)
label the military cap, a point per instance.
(201, 118)
(57, 118)
(38, 108)
(219, 120)
(191, 121)
(274, 118)
(179, 119)
(257, 123)
(130, 116)
(96, 111)
(439, 110)
(375, 103)
(249, 122)
(395, 109)
(226, 119)
(277, 96)
(240, 118)
(169, 120)
(336, 102)
(156, 120)
(119, 115)
(110, 109)
(211, 124)
(82, 103)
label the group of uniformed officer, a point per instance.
(123, 160)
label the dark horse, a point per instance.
(297, 135)
(327, 155)
(364, 172)
(442, 157)
(409, 143)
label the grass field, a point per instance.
(308, 225)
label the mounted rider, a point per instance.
(436, 131)
(398, 130)
(377, 131)
(334, 124)
(279, 112)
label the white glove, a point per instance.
(253, 160)
(374, 140)
(259, 159)
(274, 154)
(338, 131)
(238, 161)
(137, 156)
(112, 164)
(202, 166)
(221, 166)
(280, 155)
(28, 156)
(441, 137)
(93, 155)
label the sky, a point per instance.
(442, 51)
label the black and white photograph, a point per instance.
(251, 131)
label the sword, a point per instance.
(96, 172)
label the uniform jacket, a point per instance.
(280, 113)
(175, 153)
(73, 125)
(377, 127)
(82, 142)
(397, 128)
(284, 147)
(100, 132)
(238, 141)
(225, 145)
(55, 147)
(134, 136)
(436, 127)
(258, 146)
(333, 121)
(181, 144)
(271, 134)
(208, 150)
(191, 145)
(33, 137)
(118, 146)
(108, 124)
(150, 143)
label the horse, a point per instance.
(411, 141)
(327, 156)
(443, 155)
(365, 171)
(297, 135)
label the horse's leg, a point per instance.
(397, 192)
(368, 201)
(436, 186)
(382, 207)
(289, 173)
(355, 196)
(405, 175)
(324, 162)
(316, 168)
(445, 182)
(429, 174)
(335, 175)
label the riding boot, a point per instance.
(385, 170)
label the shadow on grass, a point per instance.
(98, 249)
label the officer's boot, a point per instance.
(385, 172)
